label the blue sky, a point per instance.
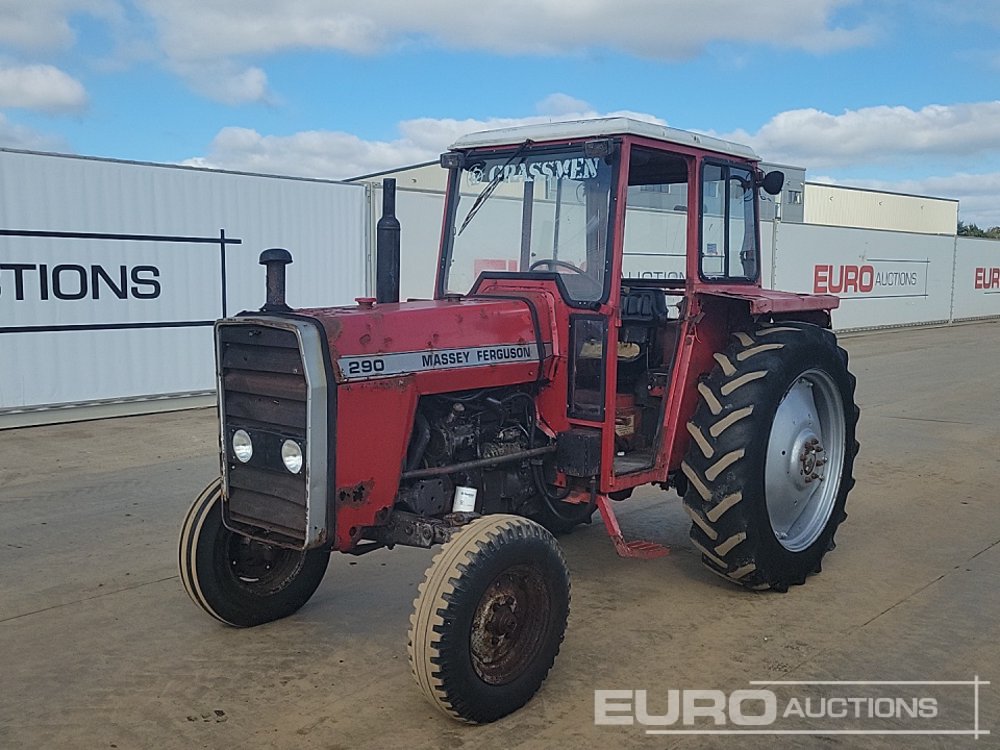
(894, 94)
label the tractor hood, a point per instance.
(491, 341)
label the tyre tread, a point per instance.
(716, 454)
(426, 640)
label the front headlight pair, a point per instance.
(291, 452)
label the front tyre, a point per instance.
(239, 581)
(771, 458)
(489, 618)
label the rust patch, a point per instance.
(400, 384)
(332, 325)
(356, 495)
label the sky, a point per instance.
(899, 95)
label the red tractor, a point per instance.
(598, 324)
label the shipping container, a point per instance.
(112, 274)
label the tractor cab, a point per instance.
(625, 222)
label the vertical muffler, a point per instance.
(387, 246)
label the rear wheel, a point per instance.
(771, 458)
(237, 580)
(489, 618)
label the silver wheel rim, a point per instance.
(805, 459)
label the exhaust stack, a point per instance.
(275, 259)
(387, 246)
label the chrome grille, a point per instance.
(264, 391)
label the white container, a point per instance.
(465, 500)
(111, 273)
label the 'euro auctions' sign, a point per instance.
(874, 279)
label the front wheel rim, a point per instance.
(509, 625)
(805, 460)
(258, 568)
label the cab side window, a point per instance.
(728, 229)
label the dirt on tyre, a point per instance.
(771, 457)
(489, 618)
(239, 581)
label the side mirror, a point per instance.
(452, 160)
(773, 182)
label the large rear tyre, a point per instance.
(239, 581)
(489, 618)
(771, 458)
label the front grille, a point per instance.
(264, 392)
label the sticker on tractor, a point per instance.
(560, 169)
(365, 366)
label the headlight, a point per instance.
(291, 456)
(242, 446)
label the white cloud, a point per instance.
(41, 87)
(561, 104)
(337, 155)
(203, 29)
(976, 12)
(18, 136)
(44, 24)
(225, 81)
(326, 154)
(816, 139)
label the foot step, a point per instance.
(638, 549)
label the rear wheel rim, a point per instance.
(805, 460)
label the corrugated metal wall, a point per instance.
(111, 273)
(835, 205)
(977, 279)
(882, 278)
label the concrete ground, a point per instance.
(101, 648)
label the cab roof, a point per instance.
(597, 128)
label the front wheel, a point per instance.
(489, 618)
(237, 580)
(771, 457)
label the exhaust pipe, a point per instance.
(387, 246)
(275, 259)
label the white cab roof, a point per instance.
(599, 127)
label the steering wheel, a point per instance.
(553, 263)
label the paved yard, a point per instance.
(100, 647)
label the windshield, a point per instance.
(531, 209)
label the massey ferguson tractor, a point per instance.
(597, 324)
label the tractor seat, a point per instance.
(643, 310)
(644, 306)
